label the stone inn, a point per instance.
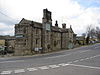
(33, 36)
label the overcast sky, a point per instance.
(78, 13)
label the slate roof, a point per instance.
(39, 25)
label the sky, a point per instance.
(77, 13)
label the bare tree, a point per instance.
(90, 33)
(97, 33)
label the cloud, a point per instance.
(90, 16)
(6, 29)
(5, 17)
(78, 13)
(87, 3)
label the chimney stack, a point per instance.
(56, 24)
(64, 25)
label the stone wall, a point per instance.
(56, 40)
(33, 36)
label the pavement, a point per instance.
(79, 61)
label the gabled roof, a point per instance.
(35, 24)
(23, 21)
(56, 29)
(71, 30)
(39, 25)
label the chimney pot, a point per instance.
(64, 25)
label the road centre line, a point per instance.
(97, 47)
(43, 67)
(53, 66)
(5, 72)
(84, 51)
(86, 58)
(63, 64)
(69, 62)
(57, 56)
(85, 66)
(82, 59)
(92, 57)
(32, 69)
(66, 54)
(46, 57)
(89, 57)
(19, 71)
(76, 61)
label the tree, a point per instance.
(98, 33)
(91, 31)
(88, 33)
(87, 40)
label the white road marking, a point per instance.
(82, 59)
(94, 56)
(58, 56)
(51, 66)
(84, 51)
(97, 47)
(19, 71)
(63, 64)
(54, 66)
(91, 57)
(32, 69)
(85, 66)
(87, 58)
(12, 61)
(43, 67)
(76, 61)
(69, 62)
(97, 56)
(5, 72)
(67, 54)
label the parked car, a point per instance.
(10, 51)
(3, 50)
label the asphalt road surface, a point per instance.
(79, 61)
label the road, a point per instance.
(79, 61)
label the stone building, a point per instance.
(80, 40)
(33, 36)
(8, 42)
